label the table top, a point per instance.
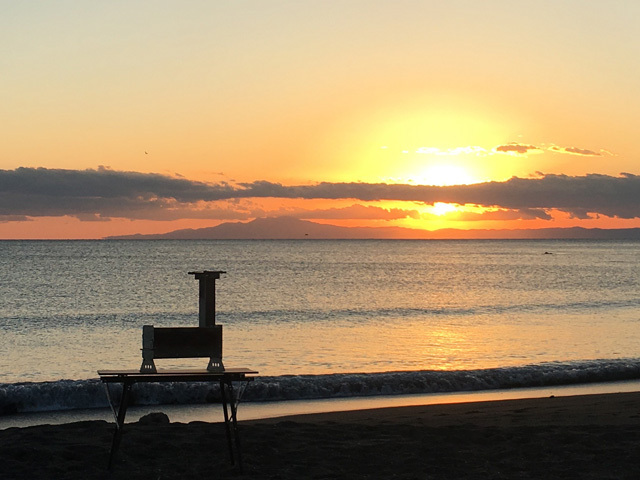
(114, 376)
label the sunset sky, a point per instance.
(128, 117)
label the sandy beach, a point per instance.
(591, 436)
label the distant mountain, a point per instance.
(292, 228)
(281, 228)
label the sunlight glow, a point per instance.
(469, 150)
(443, 175)
(440, 208)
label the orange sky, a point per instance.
(208, 96)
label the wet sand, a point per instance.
(585, 437)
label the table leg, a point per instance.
(225, 410)
(122, 412)
(234, 420)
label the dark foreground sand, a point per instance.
(582, 437)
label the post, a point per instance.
(207, 296)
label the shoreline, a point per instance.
(186, 413)
(590, 409)
(576, 436)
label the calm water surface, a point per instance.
(316, 307)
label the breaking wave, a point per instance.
(83, 394)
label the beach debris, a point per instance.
(154, 418)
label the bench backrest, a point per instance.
(181, 342)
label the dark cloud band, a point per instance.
(104, 193)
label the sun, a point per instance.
(439, 209)
(442, 175)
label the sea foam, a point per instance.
(90, 393)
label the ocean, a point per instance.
(320, 319)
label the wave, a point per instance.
(82, 394)
(11, 321)
(366, 314)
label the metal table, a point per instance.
(225, 378)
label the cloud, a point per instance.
(513, 148)
(517, 149)
(14, 218)
(505, 215)
(103, 193)
(524, 149)
(93, 194)
(575, 151)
